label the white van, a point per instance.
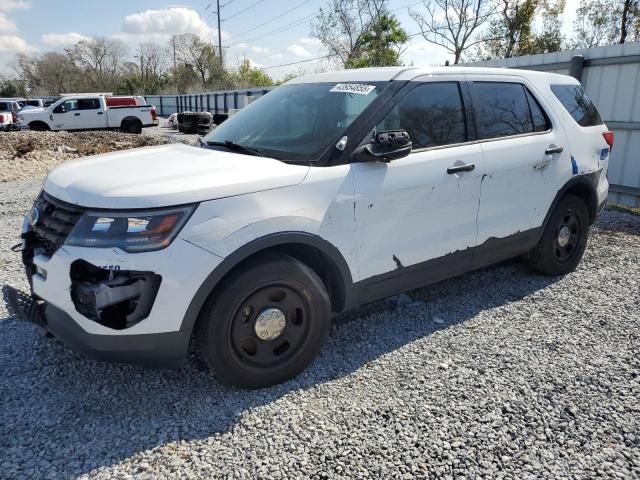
(331, 191)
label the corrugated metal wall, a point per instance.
(214, 102)
(611, 76)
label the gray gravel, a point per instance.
(497, 374)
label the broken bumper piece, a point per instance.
(117, 299)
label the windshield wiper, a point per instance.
(237, 148)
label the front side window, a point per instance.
(297, 122)
(432, 113)
(578, 104)
(501, 109)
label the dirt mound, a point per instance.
(27, 154)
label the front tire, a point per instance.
(564, 239)
(265, 323)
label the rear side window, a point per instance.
(88, 104)
(432, 113)
(540, 120)
(501, 108)
(578, 104)
(4, 107)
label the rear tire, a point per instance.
(132, 126)
(265, 323)
(564, 239)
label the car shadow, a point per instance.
(79, 414)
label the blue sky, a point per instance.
(36, 26)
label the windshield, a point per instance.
(297, 122)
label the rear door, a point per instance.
(526, 157)
(91, 113)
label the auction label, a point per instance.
(358, 88)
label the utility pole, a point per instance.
(173, 44)
(219, 32)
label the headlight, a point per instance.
(140, 231)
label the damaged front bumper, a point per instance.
(115, 306)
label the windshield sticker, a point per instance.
(357, 88)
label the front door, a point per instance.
(421, 207)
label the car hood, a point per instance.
(166, 175)
(32, 110)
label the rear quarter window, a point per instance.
(578, 104)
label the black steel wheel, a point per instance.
(265, 323)
(564, 239)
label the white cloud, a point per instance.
(10, 5)
(259, 50)
(15, 44)
(63, 39)
(6, 25)
(160, 25)
(299, 51)
(309, 41)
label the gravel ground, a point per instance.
(25, 154)
(496, 374)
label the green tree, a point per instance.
(381, 46)
(249, 76)
(359, 33)
(511, 33)
(551, 38)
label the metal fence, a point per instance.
(611, 78)
(221, 102)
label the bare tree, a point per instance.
(596, 24)
(343, 25)
(202, 57)
(453, 23)
(102, 61)
(49, 73)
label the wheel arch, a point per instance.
(582, 186)
(315, 252)
(38, 123)
(128, 119)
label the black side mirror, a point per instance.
(387, 146)
(60, 109)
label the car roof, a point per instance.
(410, 73)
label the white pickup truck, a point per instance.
(86, 112)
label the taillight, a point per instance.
(1, 118)
(608, 137)
(14, 117)
(154, 115)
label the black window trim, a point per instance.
(400, 94)
(364, 128)
(517, 135)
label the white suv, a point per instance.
(329, 192)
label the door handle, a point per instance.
(552, 150)
(76, 114)
(461, 168)
(100, 113)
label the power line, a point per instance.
(271, 20)
(295, 63)
(243, 10)
(277, 30)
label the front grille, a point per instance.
(55, 221)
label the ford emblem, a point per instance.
(34, 216)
